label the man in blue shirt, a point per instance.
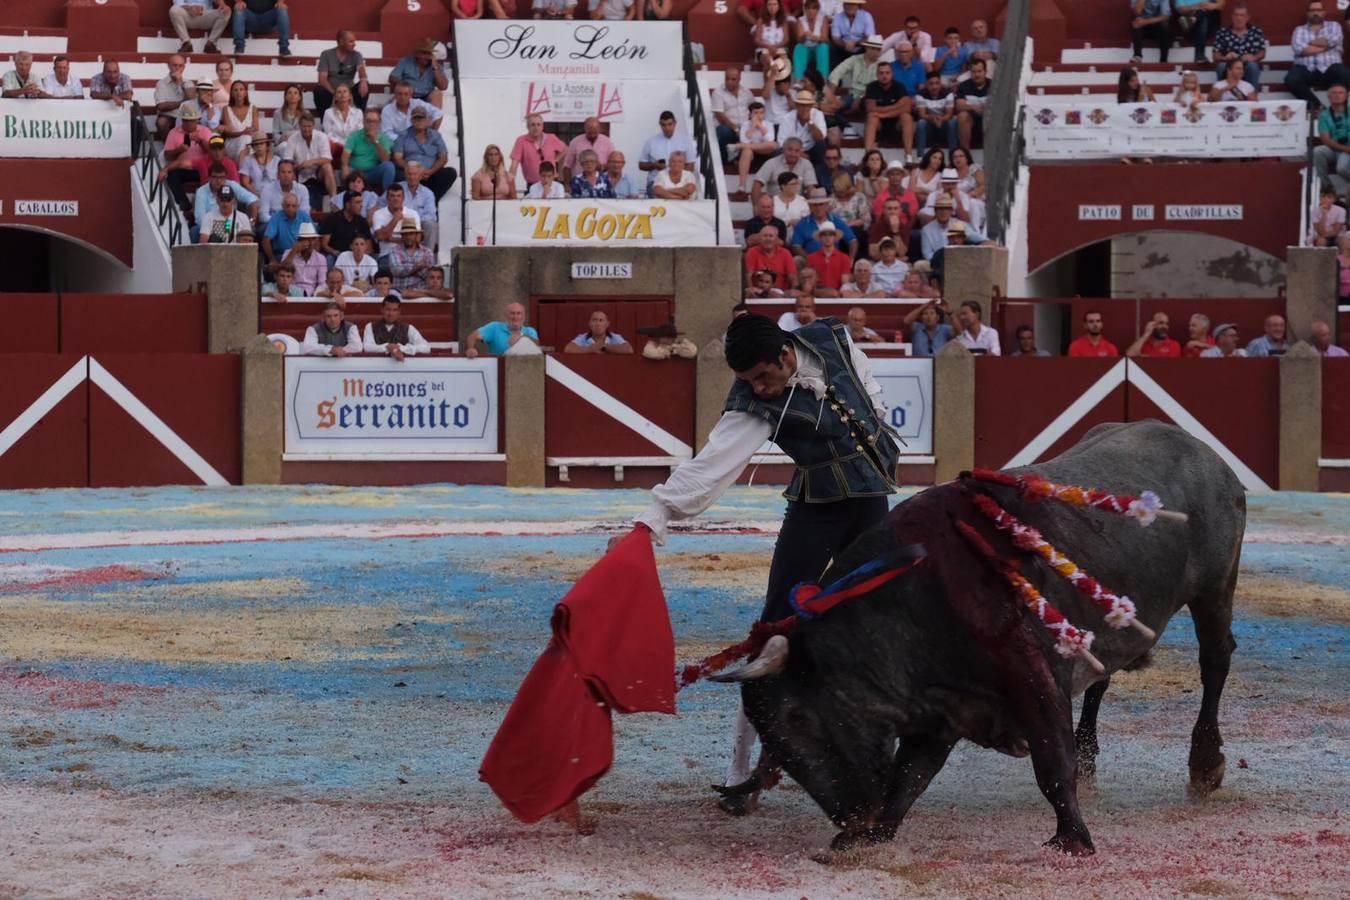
(206, 198)
(422, 145)
(1151, 19)
(284, 229)
(851, 27)
(952, 57)
(423, 72)
(908, 69)
(804, 241)
(656, 151)
(499, 337)
(620, 184)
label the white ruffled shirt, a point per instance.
(697, 483)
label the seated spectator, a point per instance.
(185, 145)
(170, 92)
(654, 10)
(1317, 46)
(761, 286)
(1026, 342)
(1092, 344)
(909, 71)
(386, 221)
(908, 203)
(1231, 86)
(975, 336)
(286, 120)
(283, 286)
(419, 198)
(110, 84)
(952, 58)
(861, 285)
(357, 266)
(1198, 339)
(1152, 21)
(591, 139)
(547, 187)
(283, 229)
(257, 17)
(981, 46)
(1225, 343)
(889, 271)
(208, 195)
(657, 150)
(851, 27)
(1328, 219)
(793, 160)
(396, 117)
(215, 155)
(258, 167)
(534, 148)
(342, 64)
(623, 187)
(274, 195)
(730, 105)
(858, 330)
(764, 215)
(1131, 89)
(832, 165)
(971, 96)
(934, 115)
(552, 9)
(1275, 342)
(423, 72)
(890, 110)
(598, 338)
(435, 289)
(422, 146)
(198, 95)
(332, 335)
(777, 93)
(832, 265)
(1240, 42)
(937, 234)
(1321, 339)
(381, 285)
(807, 125)
(913, 34)
(803, 314)
(499, 337)
(370, 152)
(769, 254)
(343, 119)
(238, 121)
(391, 337)
(928, 332)
(675, 182)
(969, 189)
(492, 182)
(1198, 19)
(210, 16)
(756, 137)
(772, 33)
(1331, 156)
(339, 230)
(60, 84)
(917, 284)
(409, 262)
(225, 223)
(665, 342)
(849, 204)
(613, 10)
(850, 79)
(217, 93)
(311, 266)
(788, 205)
(335, 288)
(308, 149)
(804, 241)
(811, 40)
(808, 282)
(590, 181)
(1153, 342)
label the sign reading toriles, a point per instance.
(378, 407)
(586, 270)
(644, 223)
(64, 129)
(505, 48)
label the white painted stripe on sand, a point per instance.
(1114, 377)
(620, 412)
(44, 404)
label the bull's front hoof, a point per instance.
(1071, 845)
(1205, 781)
(739, 804)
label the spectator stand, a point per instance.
(884, 316)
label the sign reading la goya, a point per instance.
(375, 407)
(64, 129)
(605, 223)
(507, 48)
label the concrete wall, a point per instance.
(1177, 264)
(228, 275)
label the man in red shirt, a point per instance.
(896, 174)
(1092, 344)
(1154, 342)
(771, 255)
(215, 153)
(829, 263)
(1199, 339)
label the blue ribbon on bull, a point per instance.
(809, 599)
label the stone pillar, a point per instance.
(1311, 282)
(712, 381)
(707, 285)
(228, 275)
(262, 411)
(1300, 417)
(975, 273)
(524, 404)
(953, 411)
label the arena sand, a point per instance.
(269, 692)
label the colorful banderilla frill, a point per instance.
(1070, 641)
(1145, 508)
(1118, 611)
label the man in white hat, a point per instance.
(807, 126)
(777, 91)
(935, 234)
(851, 27)
(410, 261)
(852, 76)
(311, 266)
(804, 233)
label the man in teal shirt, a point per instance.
(1331, 156)
(498, 337)
(370, 152)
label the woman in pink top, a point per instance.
(493, 173)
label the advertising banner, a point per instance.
(598, 223)
(64, 129)
(599, 50)
(572, 101)
(375, 407)
(1276, 128)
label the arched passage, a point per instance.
(41, 261)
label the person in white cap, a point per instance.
(1225, 343)
(311, 266)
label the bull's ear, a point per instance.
(772, 660)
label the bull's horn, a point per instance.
(771, 661)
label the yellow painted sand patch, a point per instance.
(250, 589)
(1289, 598)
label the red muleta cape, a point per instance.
(612, 648)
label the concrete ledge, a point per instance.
(523, 401)
(953, 411)
(262, 411)
(1300, 417)
(974, 273)
(1311, 281)
(228, 275)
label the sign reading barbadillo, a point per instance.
(506, 48)
(64, 129)
(378, 407)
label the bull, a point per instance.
(861, 706)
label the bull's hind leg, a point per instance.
(1213, 617)
(1086, 736)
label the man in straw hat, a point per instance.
(410, 261)
(807, 125)
(777, 91)
(938, 233)
(311, 266)
(850, 79)
(423, 71)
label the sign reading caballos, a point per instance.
(648, 223)
(505, 48)
(374, 407)
(64, 129)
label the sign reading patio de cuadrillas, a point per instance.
(64, 129)
(601, 50)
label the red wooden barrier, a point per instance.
(1017, 399)
(38, 313)
(1336, 408)
(560, 320)
(101, 187)
(53, 451)
(133, 323)
(660, 391)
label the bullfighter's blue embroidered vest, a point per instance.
(841, 449)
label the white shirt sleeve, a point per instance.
(698, 482)
(416, 343)
(354, 344)
(310, 346)
(869, 381)
(368, 339)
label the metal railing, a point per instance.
(1003, 122)
(701, 128)
(168, 217)
(465, 191)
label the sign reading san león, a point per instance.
(599, 50)
(64, 129)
